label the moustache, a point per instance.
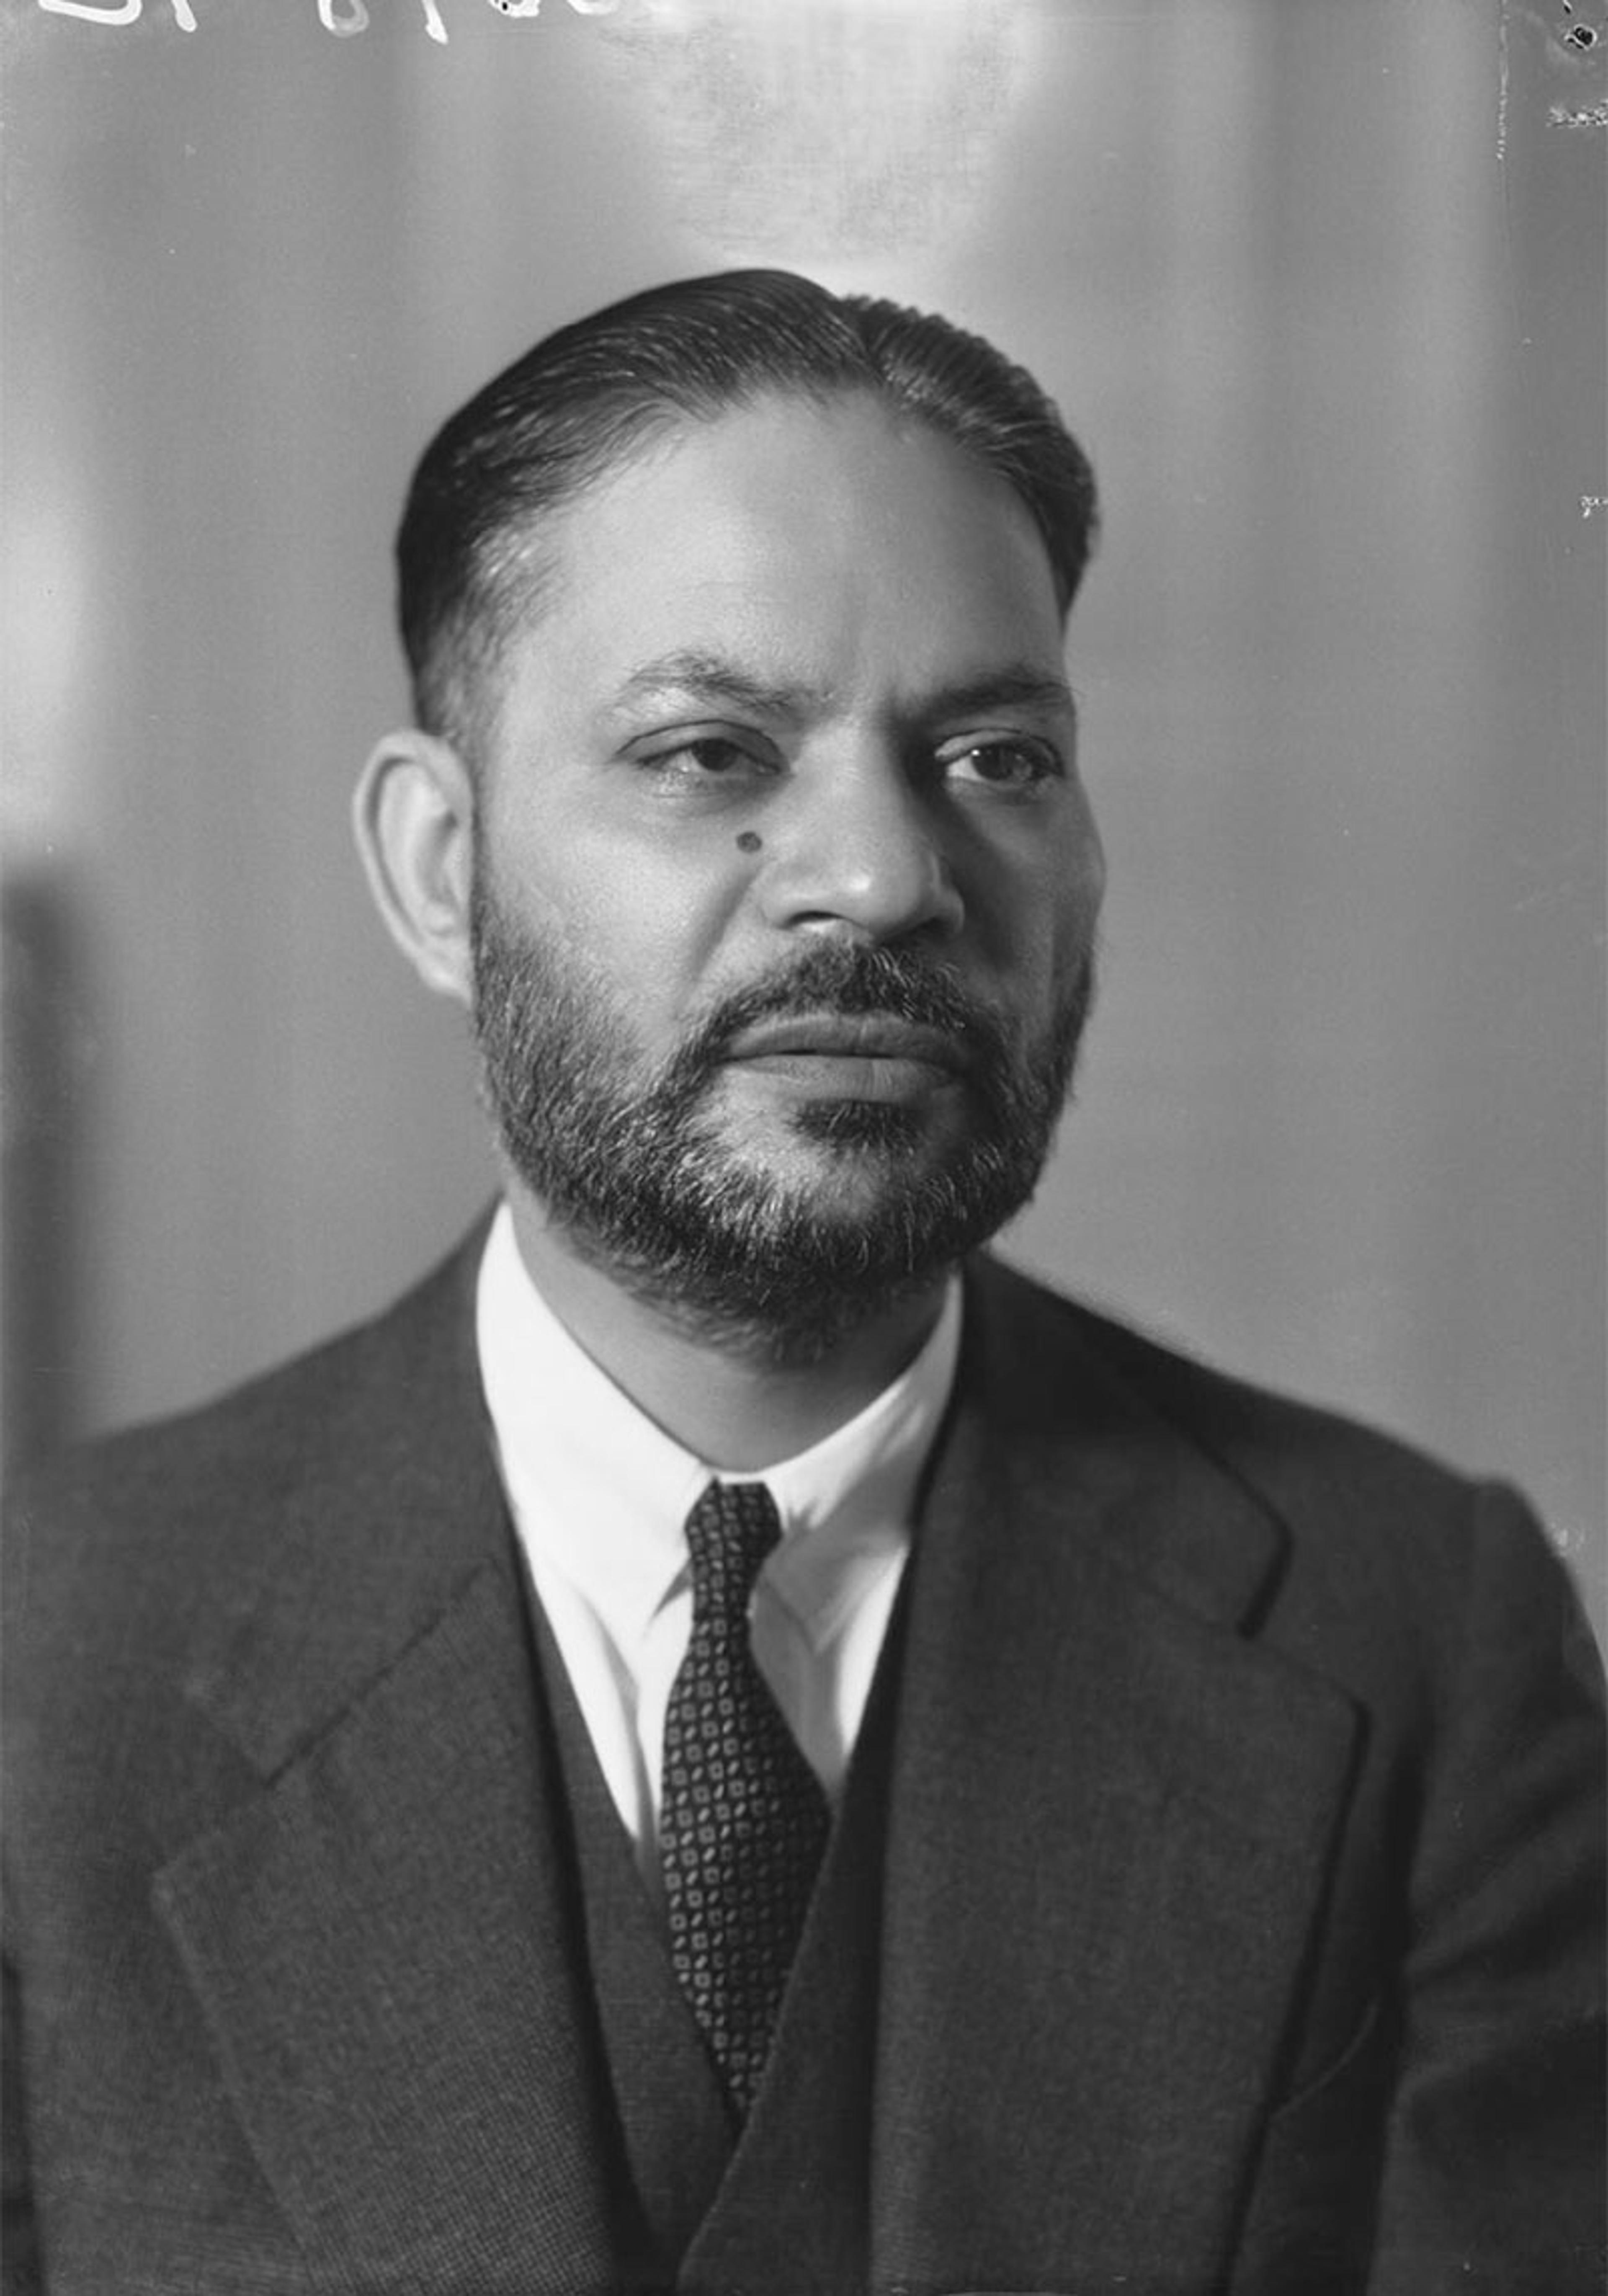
(854, 983)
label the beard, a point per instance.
(630, 1163)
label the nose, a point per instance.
(857, 849)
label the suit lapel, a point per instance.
(384, 1938)
(1109, 1821)
(1107, 1826)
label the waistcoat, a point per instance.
(697, 2190)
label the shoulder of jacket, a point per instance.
(1311, 1463)
(119, 1512)
(1386, 1548)
(1217, 1408)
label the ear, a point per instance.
(413, 815)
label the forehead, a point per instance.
(830, 543)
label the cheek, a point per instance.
(1046, 903)
(1079, 889)
(646, 922)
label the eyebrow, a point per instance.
(1014, 684)
(710, 678)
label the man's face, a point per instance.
(785, 885)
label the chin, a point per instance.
(849, 1160)
(850, 1136)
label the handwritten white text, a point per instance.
(343, 17)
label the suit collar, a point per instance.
(1075, 1439)
(378, 1500)
(385, 1945)
(1108, 1821)
(383, 1940)
(388, 1497)
(1080, 1917)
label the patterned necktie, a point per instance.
(742, 1818)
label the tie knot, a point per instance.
(729, 1533)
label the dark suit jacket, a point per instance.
(1240, 1893)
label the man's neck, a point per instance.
(730, 1405)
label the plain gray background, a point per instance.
(1320, 287)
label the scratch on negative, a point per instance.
(1560, 116)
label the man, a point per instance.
(728, 1743)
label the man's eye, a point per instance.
(707, 757)
(1017, 763)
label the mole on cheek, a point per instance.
(749, 841)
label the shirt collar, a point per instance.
(600, 1492)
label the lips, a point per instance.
(853, 1037)
(829, 1056)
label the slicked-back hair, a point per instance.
(470, 553)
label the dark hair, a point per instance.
(583, 398)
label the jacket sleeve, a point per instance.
(1493, 2170)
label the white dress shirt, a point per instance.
(600, 1495)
